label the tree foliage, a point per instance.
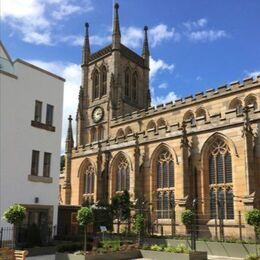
(253, 217)
(138, 223)
(187, 217)
(15, 214)
(85, 216)
(121, 205)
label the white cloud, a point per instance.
(72, 73)
(65, 10)
(77, 40)
(160, 33)
(171, 96)
(194, 25)
(207, 35)
(163, 85)
(159, 65)
(36, 19)
(132, 36)
(253, 74)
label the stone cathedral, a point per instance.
(204, 147)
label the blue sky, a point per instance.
(194, 45)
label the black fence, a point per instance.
(27, 235)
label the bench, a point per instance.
(10, 254)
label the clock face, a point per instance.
(97, 114)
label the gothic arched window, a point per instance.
(201, 112)
(164, 183)
(236, 104)
(251, 101)
(122, 174)
(134, 86)
(103, 81)
(95, 84)
(89, 180)
(128, 131)
(220, 180)
(127, 82)
(189, 116)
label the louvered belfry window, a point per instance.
(164, 184)
(123, 178)
(221, 200)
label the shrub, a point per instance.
(182, 249)
(15, 214)
(156, 248)
(253, 219)
(169, 249)
(252, 257)
(111, 244)
(70, 248)
(187, 217)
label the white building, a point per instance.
(31, 102)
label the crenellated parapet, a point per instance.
(214, 122)
(200, 97)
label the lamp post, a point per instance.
(193, 227)
(172, 206)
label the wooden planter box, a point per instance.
(240, 250)
(165, 255)
(113, 256)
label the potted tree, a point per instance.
(253, 219)
(85, 217)
(14, 215)
(139, 226)
(120, 206)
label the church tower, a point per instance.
(115, 81)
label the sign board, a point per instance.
(103, 228)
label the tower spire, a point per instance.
(146, 52)
(86, 47)
(116, 36)
(69, 139)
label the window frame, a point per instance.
(38, 109)
(35, 163)
(47, 121)
(47, 165)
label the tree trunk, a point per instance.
(14, 236)
(85, 239)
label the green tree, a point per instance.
(188, 218)
(253, 219)
(85, 217)
(121, 207)
(15, 215)
(139, 226)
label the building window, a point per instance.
(127, 83)
(89, 180)
(134, 89)
(47, 165)
(101, 133)
(95, 84)
(104, 81)
(38, 111)
(49, 115)
(35, 163)
(236, 104)
(165, 184)
(122, 175)
(93, 134)
(220, 181)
